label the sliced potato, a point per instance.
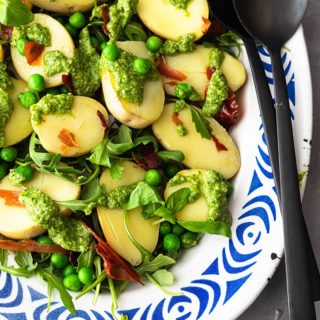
(76, 133)
(165, 20)
(14, 133)
(194, 66)
(64, 6)
(112, 220)
(193, 211)
(199, 152)
(60, 40)
(131, 114)
(15, 221)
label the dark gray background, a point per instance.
(272, 303)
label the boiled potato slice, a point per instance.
(15, 221)
(194, 65)
(133, 115)
(193, 211)
(112, 220)
(60, 40)
(14, 133)
(1, 53)
(64, 6)
(165, 20)
(76, 133)
(199, 152)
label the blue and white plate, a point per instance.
(221, 277)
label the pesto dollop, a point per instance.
(129, 83)
(56, 62)
(6, 108)
(120, 14)
(34, 32)
(183, 44)
(180, 4)
(51, 104)
(85, 67)
(216, 57)
(67, 231)
(5, 80)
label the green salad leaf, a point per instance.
(14, 13)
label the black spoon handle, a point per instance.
(300, 300)
(268, 115)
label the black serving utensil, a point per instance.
(224, 12)
(273, 23)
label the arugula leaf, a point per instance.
(201, 123)
(3, 256)
(209, 226)
(163, 277)
(17, 272)
(154, 264)
(116, 171)
(56, 282)
(25, 260)
(167, 155)
(14, 13)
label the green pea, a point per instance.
(165, 228)
(154, 43)
(8, 154)
(72, 282)
(86, 275)
(59, 260)
(103, 45)
(94, 41)
(3, 170)
(20, 45)
(171, 242)
(67, 270)
(71, 29)
(77, 20)
(36, 82)
(189, 239)
(153, 177)
(171, 169)
(26, 171)
(182, 90)
(28, 98)
(177, 229)
(44, 239)
(141, 65)
(111, 52)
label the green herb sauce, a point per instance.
(120, 14)
(218, 87)
(51, 104)
(34, 32)
(56, 62)
(182, 131)
(6, 108)
(67, 231)
(15, 178)
(184, 44)
(85, 67)
(129, 84)
(180, 4)
(5, 80)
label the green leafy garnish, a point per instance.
(14, 13)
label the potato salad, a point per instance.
(115, 147)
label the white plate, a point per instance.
(221, 277)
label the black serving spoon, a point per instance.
(224, 11)
(273, 23)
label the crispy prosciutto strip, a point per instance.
(169, 72)
(11, 198)
(33, 51)
(175, 118)
(29, 245)
(115, 267)
(106, 18)
(5, 32)
(67, 81)
(103, 120)
(219, 145)
(67, 138)
(150, 159)
(206, 25)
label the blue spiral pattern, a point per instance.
(206, 293)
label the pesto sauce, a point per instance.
(213, 187)
(218, 88)
(34, 32)
(5, 80)
(15, 178)
(67, 231)
(180, 4)
(56, 62)
(184, 44)
(51, 104)
(6, 108)
(129, 84)
(120, 14)
(85, 67)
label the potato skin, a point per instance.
(64, 6)
(199, 152)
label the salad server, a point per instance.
(273, 23)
